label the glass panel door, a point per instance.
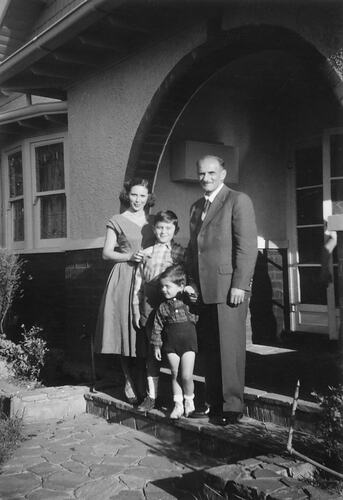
(310, 306)
(318, 185)
(336, 192)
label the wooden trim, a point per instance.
(263, 244)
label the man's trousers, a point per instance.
(222, 330)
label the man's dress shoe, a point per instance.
(225, 418)
(200, 412)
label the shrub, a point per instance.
(331, 426)
(330, 432)
(28, 356)
(10, 435)
(11, 270)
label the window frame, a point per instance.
(32, 241)
(9, 200)
(38, 195)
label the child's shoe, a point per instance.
(177, 411)
(189, 405)
(147, 405)
(130, 393)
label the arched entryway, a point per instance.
(262, 90)
(194, 71)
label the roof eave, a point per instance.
(52, 37)
(33, 111)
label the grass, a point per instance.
(11, 433)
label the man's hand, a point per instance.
(157, 353)
(236, 296)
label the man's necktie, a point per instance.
(205, 209)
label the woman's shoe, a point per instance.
(177, 411)
(130, 393)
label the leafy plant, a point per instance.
(28, 356)
(10, 435)
(331, 426)
(11, 270)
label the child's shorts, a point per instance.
(180, 338)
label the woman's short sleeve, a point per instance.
(113, 224)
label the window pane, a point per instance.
(312, 291)
(50, 167)
(337, 196)
(18, 220)
(336, 155)
(53, 216)
(310, 245)
(308, 164)
(310, 206)
(15, 168)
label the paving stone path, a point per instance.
(87, 458)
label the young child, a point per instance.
(147, 292)
(174, 331)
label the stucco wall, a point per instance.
(104, 113)
(218, 117)
(319, 22)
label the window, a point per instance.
(16, 195)
(49, 191)
(34, 178)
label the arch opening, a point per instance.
(261, 90)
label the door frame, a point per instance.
(325, 317)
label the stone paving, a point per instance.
(87, 458)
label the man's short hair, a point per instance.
(214, 157)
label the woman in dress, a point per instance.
(127, 234)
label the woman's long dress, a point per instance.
(115, 333)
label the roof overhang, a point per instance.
(92, 35)
(17, 18)
(41, 116)
(57, 34)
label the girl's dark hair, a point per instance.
(176, 274)
(128, 185)
(167, 216)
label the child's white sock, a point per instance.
(152, 387)
(189, 404)
(178, 408)
(189, 398)
(178, 398)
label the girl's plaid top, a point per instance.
(173, 310)
(156, 259)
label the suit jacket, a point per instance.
(223, 248)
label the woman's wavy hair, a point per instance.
(129, 184)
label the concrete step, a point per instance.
(256, 462)
(248, 438)
(36, 405)
(259, 405)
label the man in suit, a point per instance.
(221, 258)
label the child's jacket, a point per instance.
(176, 310)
